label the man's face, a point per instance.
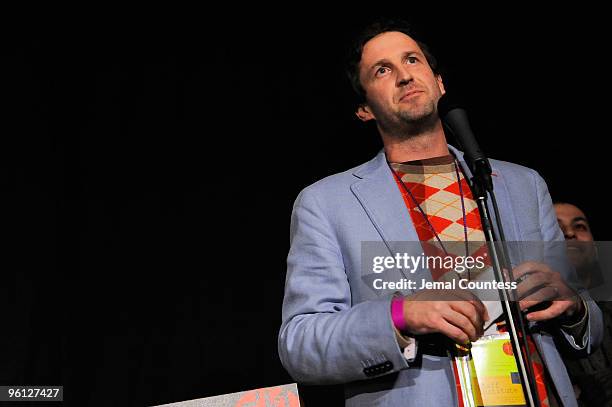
(577, 231)
(401, 89)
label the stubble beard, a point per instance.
(410, 124)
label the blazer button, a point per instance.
(378, 369)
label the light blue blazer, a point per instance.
(337, 330)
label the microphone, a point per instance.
(455, 119)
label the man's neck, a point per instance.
(417, 147)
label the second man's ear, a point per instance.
(363, 113)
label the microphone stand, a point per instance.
(481, 184)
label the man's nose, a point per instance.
(404, 76)
(569, 233)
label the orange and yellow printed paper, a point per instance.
(493, 373)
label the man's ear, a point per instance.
(440, 84)
(364, 113)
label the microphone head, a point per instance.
(450, 103)
(454, 118)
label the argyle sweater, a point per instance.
(440, 202)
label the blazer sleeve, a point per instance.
(551, 232)
(324, 338)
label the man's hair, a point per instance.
(375, 28)
(562, 202)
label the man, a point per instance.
(336, 330)
(592, 375)
(581, 249)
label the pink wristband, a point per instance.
(397, 314)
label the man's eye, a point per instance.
(412, 60)
(580, 226)
(382, 70)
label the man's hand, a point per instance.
(457, 314)
(538, 283)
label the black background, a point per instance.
(149, 165)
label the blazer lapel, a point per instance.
(378, 193)
(381, 198)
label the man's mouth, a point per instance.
(576, 247)
(410, 94)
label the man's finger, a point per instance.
(529, 267)
(451, 331)
(532, 283)
(546, 293)
(468, 310)
(468, 296)
(556, 309)
(462, 322)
